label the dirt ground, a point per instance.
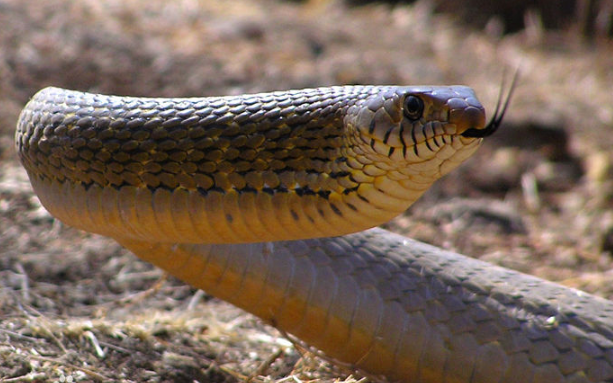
(537, 197)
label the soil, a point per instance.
(537, 197)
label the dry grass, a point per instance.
(77, 307)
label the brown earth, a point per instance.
(537, 197)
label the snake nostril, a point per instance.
(468, 118)
(473, 118)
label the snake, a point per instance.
(270, 201)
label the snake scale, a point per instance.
(266, 201)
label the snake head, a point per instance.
(417, 130)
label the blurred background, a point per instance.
(537, 197)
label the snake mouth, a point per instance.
(499, 113)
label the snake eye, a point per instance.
(413, 107)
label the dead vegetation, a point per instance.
(76, 307)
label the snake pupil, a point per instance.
(413, 108)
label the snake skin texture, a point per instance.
(199, 187)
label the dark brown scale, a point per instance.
(102, 156)
(86, 154)
(177, 134)
(115, 167)
(152, 167)
(208, 167)
(232, 153)
(188, 167)
(186, 181)
(226, 167)
(194, 155)
(121, 156)
(237, 180)
(135, 167)
(204, 143)
(178, 156)
(171, 167)
(131, 178)
(97, 165)
(167, 145)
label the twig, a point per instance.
(25, 285)
(114, 347)
(29, 377)
(141, 296)
(86, 371)
(195, 299)
(265, 364)
(39, 321)
(20, 336)
(92, 338)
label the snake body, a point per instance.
(200, 186)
